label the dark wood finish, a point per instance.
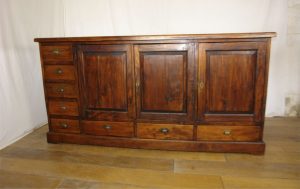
(64, 125)
(204, 92)
(228, 133)
(108, 128)
(106, 81)
(57, 73)
(63, 108)
(56, 53)
(231, 81)
(164, 81)
(165, 131)
(240, 147)
(62, 90)
(161, 37)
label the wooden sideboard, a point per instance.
(204, 92)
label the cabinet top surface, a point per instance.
(160, 37)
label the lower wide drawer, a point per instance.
(63, 108)
(64, 125)
(164, 131)
(107, 128)
(228, 133)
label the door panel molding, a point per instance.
(106, 82)
(164, 82)
(236, 93)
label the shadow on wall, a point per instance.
(292, 105)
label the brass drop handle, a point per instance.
(64, 125)
(227, 132)
(59, 71)
(164, 130)
(63, 107)
(56, 52)
(107, 127)
(61, 90)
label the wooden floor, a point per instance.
(32, 163)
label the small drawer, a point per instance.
(164, 131)
(56, 53)
(228, 133)
(63, 108)
(64, 125)
(62, 72)
(107, 128)
(63, 90)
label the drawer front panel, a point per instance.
(57, 53)
(54, 72)
(64, 125)
(63, 90)
(106, 128)
(228, 133)
(63, 108)
(164, 131)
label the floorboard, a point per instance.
(33, 163)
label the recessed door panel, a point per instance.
(106, 82)
(231, 81)
(164, 81)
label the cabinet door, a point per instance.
(231, 81)
(106, 82)
(164, 81)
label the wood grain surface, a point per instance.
(33, 163)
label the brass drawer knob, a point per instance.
(164, 130)
(63, 107)
(56, 52)
(59, 71)
(64, 125)
(107, 127)
(227, 132)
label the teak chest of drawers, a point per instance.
(204, 92)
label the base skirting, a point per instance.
(193, 146)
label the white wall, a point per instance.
(292, 92)
(22, 106)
